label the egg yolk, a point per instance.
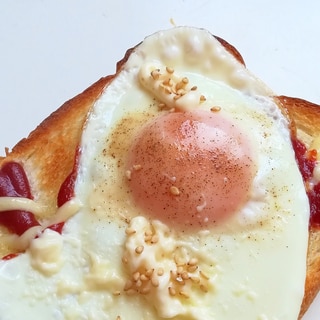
(190, 168)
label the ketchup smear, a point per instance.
(14, 183)
(306, 160)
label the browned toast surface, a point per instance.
(47, 154)
(306, 121)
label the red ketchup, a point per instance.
(65, 194)
(306, 160)
(14, 183)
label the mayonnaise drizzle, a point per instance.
(20, 203)
(63, 213)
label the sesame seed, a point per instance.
(143, 277)
(184, 294)
(139, 249)
(137, 167)
(172, 291)
(203, 288)
(192, 268)
(167, 90)
(154, 239)
(194, 88)
(168, 82)
(180, 281)
(136, 276)
(193, 262)
(202, 274)
(195, 279)
(130, 231)
(178, 261)
(179, 269)
(169, 70)
(181, 92)
(173, 274)
(202, 98)
(215, 109)
(161, 105)
(128, 174)
(155, 281)
(128, 285)
(185, 275)
(147, 238)
(145, 290)
(148, 233)
(174, 190)
(160, 272)
(149, 273)
(185, 80)
(179, 85)
(155, 74)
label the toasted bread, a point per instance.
(306, 122)
(48, 154)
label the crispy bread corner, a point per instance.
(48, 153)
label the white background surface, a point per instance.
(52, 50)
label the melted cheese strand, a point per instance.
(65, 212)
(21, 243)
(19, 203)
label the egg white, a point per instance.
(252, 266)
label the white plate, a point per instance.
(52, 50)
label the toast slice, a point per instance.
(305, 117)
(48, 153)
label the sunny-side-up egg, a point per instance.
(192, 205)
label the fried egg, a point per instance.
(192, 205)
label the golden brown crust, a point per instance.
(47, 154)
(306, 115)
(306, 118)
(231, 49)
